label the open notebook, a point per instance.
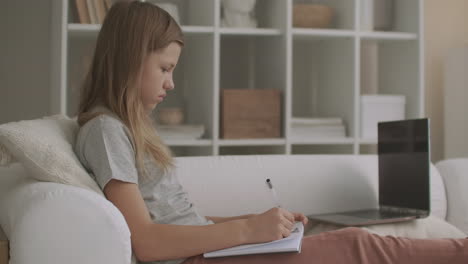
(292, 243)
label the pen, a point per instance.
(273, 192)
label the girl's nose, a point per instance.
(169, 84)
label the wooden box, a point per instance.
(250, 113)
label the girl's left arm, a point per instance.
(218, 219)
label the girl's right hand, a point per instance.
(273, 224)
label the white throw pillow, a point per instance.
(430, 227)
(438, 196)
(45, 148)
(455, 175)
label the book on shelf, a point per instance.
(305, 128)
(92, 11)
(82, 11)
(181, 131)
(292, 243)
(318, 131)
(100, 10)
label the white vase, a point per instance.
(238, 13)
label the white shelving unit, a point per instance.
(317, 70)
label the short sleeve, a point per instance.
(108, 151)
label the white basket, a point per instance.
(377, 108)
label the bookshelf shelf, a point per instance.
(322, 33)
(197, 29)
(74, 28)
(251, 142)
(321, 141)
(318, 71)
(188, 142)
(254, 32)
(388, 36)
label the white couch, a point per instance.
(55, 223)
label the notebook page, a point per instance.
(287, 244)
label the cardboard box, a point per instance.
(248, 113)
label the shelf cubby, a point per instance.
(398, 72)
(246, 62)
(407, 16)
(194, 83)
(404, 17)
(323, 80)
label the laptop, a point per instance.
(403, 161)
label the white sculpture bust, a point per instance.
(238, 13)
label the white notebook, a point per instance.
(292, 243)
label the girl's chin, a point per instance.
(150, 107)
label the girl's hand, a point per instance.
(273, 224)
(299, 217)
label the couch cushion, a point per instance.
(312, 184)
(45, 148)
(438, 194)
(455, 175)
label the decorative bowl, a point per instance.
(171, 116)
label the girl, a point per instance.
(136, 53)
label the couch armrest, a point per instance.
(55, 223)
(455, 175)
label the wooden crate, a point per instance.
(250, 113)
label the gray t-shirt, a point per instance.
(105, 149)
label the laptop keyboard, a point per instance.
(376, 214)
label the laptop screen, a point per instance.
(403, 150)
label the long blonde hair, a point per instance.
(129, 33)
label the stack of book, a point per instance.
(92, 11)
(180, 132)
(306, 128)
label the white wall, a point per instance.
(455, 105)
(25, 59)
(446, 27)
(3, 32)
